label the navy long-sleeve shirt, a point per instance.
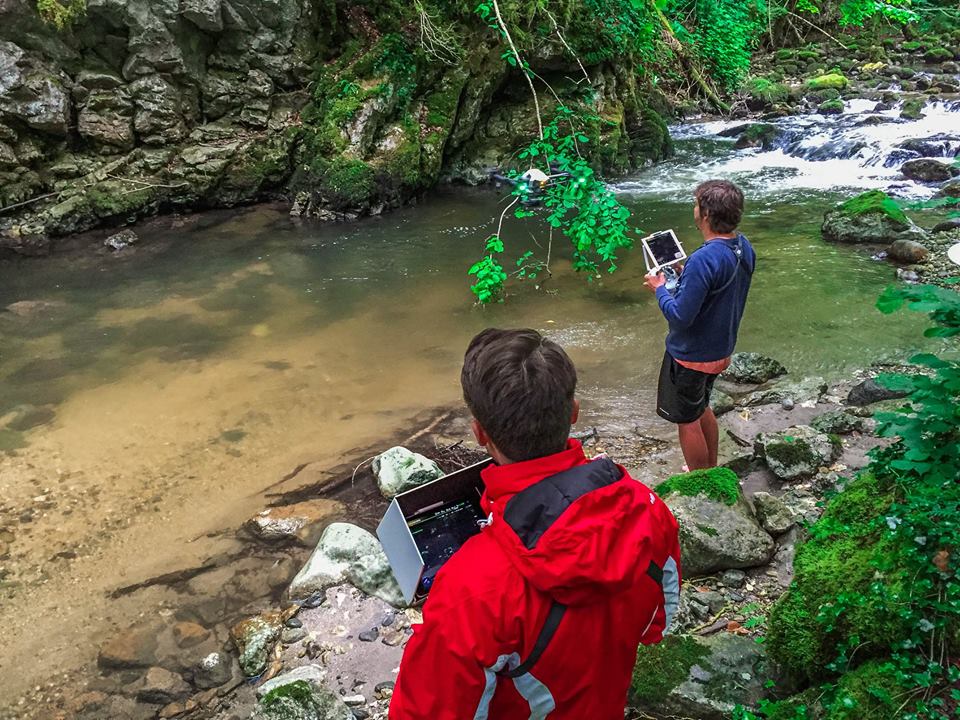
(704, 314)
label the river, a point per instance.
(180, 379)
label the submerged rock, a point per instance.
(121, 240)
(289, 522)
(160, 687)
(797, 452)
(872, 217)
(133, 648)
(752, 368)
(908, 251)
(398, 470)
(347, 554)
(214, 670)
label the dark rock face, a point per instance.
(928, 170)
(869, 392)
(144, 107)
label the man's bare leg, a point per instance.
(711, 434)
(694, 445)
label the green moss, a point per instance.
(299, 691)
(348, 182)
(831, 107)
(874, 201)
(720, 484)
(831, 80)
(937, 54)
(837, 560)
(870, 691)
(707, 530)
(663, 667)
(789, 454)
(913, 109)
(115, 199)
(61, 13)
(766, 90)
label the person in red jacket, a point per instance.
(541, 613)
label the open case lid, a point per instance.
(394, 529)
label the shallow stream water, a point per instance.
(183, 377)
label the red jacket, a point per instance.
(562, 530)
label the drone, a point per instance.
(530, 184)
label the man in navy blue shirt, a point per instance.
(704, 314)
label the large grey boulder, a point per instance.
(347, 554)
(752, 368)
(31, 92)
(398, 470)
(872, 217)
(701, 677)
(797, 452)
(715, 536)
(301, 700)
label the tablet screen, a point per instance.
(665, 247)
(440, 533)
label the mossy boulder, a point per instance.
(753, 368)
(838, 560)
(761, 135)
(254, 639)
(718, 530)
(872, 217)
(301, 700)
(696, 677)
(838, 422)
(763, 93)
(831, 107)
(834, 81)
(912, 109)
(937, 55)
(797, 452)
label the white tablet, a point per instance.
(661, 250)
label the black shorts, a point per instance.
(683, 395)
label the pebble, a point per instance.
(359, 713)
(354, 700)
(294, 623)
(293, 635)
(314, 601)
(388, 619)
(787, 404)
(369, 635)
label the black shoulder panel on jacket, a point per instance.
(532, 512)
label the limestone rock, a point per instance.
(907, 251)
(31, 92)
(872, 217)
(838, 422)
(928, 170)
(752, 368)
(347, 553)
(159, 117)
(106, 118)
(774, 516)
(161, 687)
(870, 391)
(797, 452)
(398, 470)
(701, 677)
(255, 638)
(312, 674)
(715, 536)
(205, 14)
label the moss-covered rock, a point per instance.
(797, 452)
(834, 81)
(937, 55)
(872, 217)
(753, 368)
(301, 700)
(912, 108)
(762, 135)
(763, 93)
(837, 560)
(704, 678)
(720, 484)
(831, 107)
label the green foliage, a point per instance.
(662, 667)
(489, 273)
(874, 201)
(61, 13)
(875, 601)
(720, 484)
(348, 182)
(723, 33)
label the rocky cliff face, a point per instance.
(152, 105)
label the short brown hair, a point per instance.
(721, 203)
(519, 387)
